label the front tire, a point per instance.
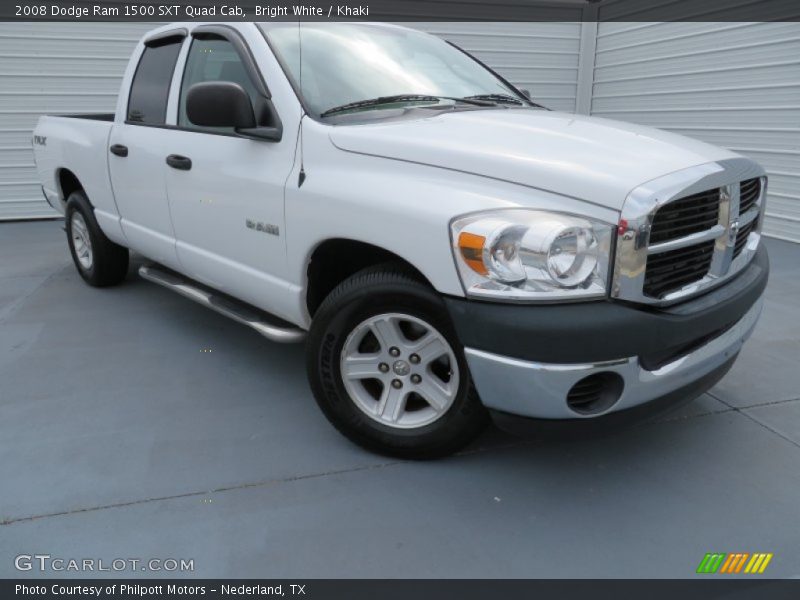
(100, 262)
(387, 369)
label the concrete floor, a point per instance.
(134, 423)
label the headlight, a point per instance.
(531, 255)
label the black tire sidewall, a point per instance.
(78, 203)
(336, 319)
(109, 260)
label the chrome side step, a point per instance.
(269, 326)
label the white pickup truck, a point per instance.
(451, 250)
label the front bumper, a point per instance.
(654, 352)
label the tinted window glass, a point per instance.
(212, 60)
(147, 103)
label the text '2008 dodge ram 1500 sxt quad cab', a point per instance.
(451, 249)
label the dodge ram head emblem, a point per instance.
(732, 231)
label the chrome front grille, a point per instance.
(674, 269)
(749, 192)
(688, 231)
(742, 236)
(683, 217)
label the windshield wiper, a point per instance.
(503, 98)
(400, 98)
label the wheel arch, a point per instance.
(68, 183)
(335, 259)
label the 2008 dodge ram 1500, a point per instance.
(452, 249)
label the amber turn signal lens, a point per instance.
(471, 247)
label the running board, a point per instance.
(269, 326)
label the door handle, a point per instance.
(119, 150)
(176, 161)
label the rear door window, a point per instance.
(147, 102)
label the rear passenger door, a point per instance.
(137, 149)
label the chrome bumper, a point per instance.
(539, 390)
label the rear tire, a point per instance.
(99, 261)
(417, 399)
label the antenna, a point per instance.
(301, 176)
(300, 54)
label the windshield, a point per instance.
(342, 63)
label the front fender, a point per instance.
(402, 207)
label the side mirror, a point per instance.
(526, 93)
(220, 104)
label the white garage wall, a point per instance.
(732, 84)
(49, 68)
(77, 68)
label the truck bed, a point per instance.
(92, 117)
(78, 145)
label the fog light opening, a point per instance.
(595, 394)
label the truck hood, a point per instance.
(592, 159)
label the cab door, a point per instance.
(226, 191)
(136, 152)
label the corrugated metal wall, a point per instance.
(65, 67)
(732, 84)
(50, 68)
